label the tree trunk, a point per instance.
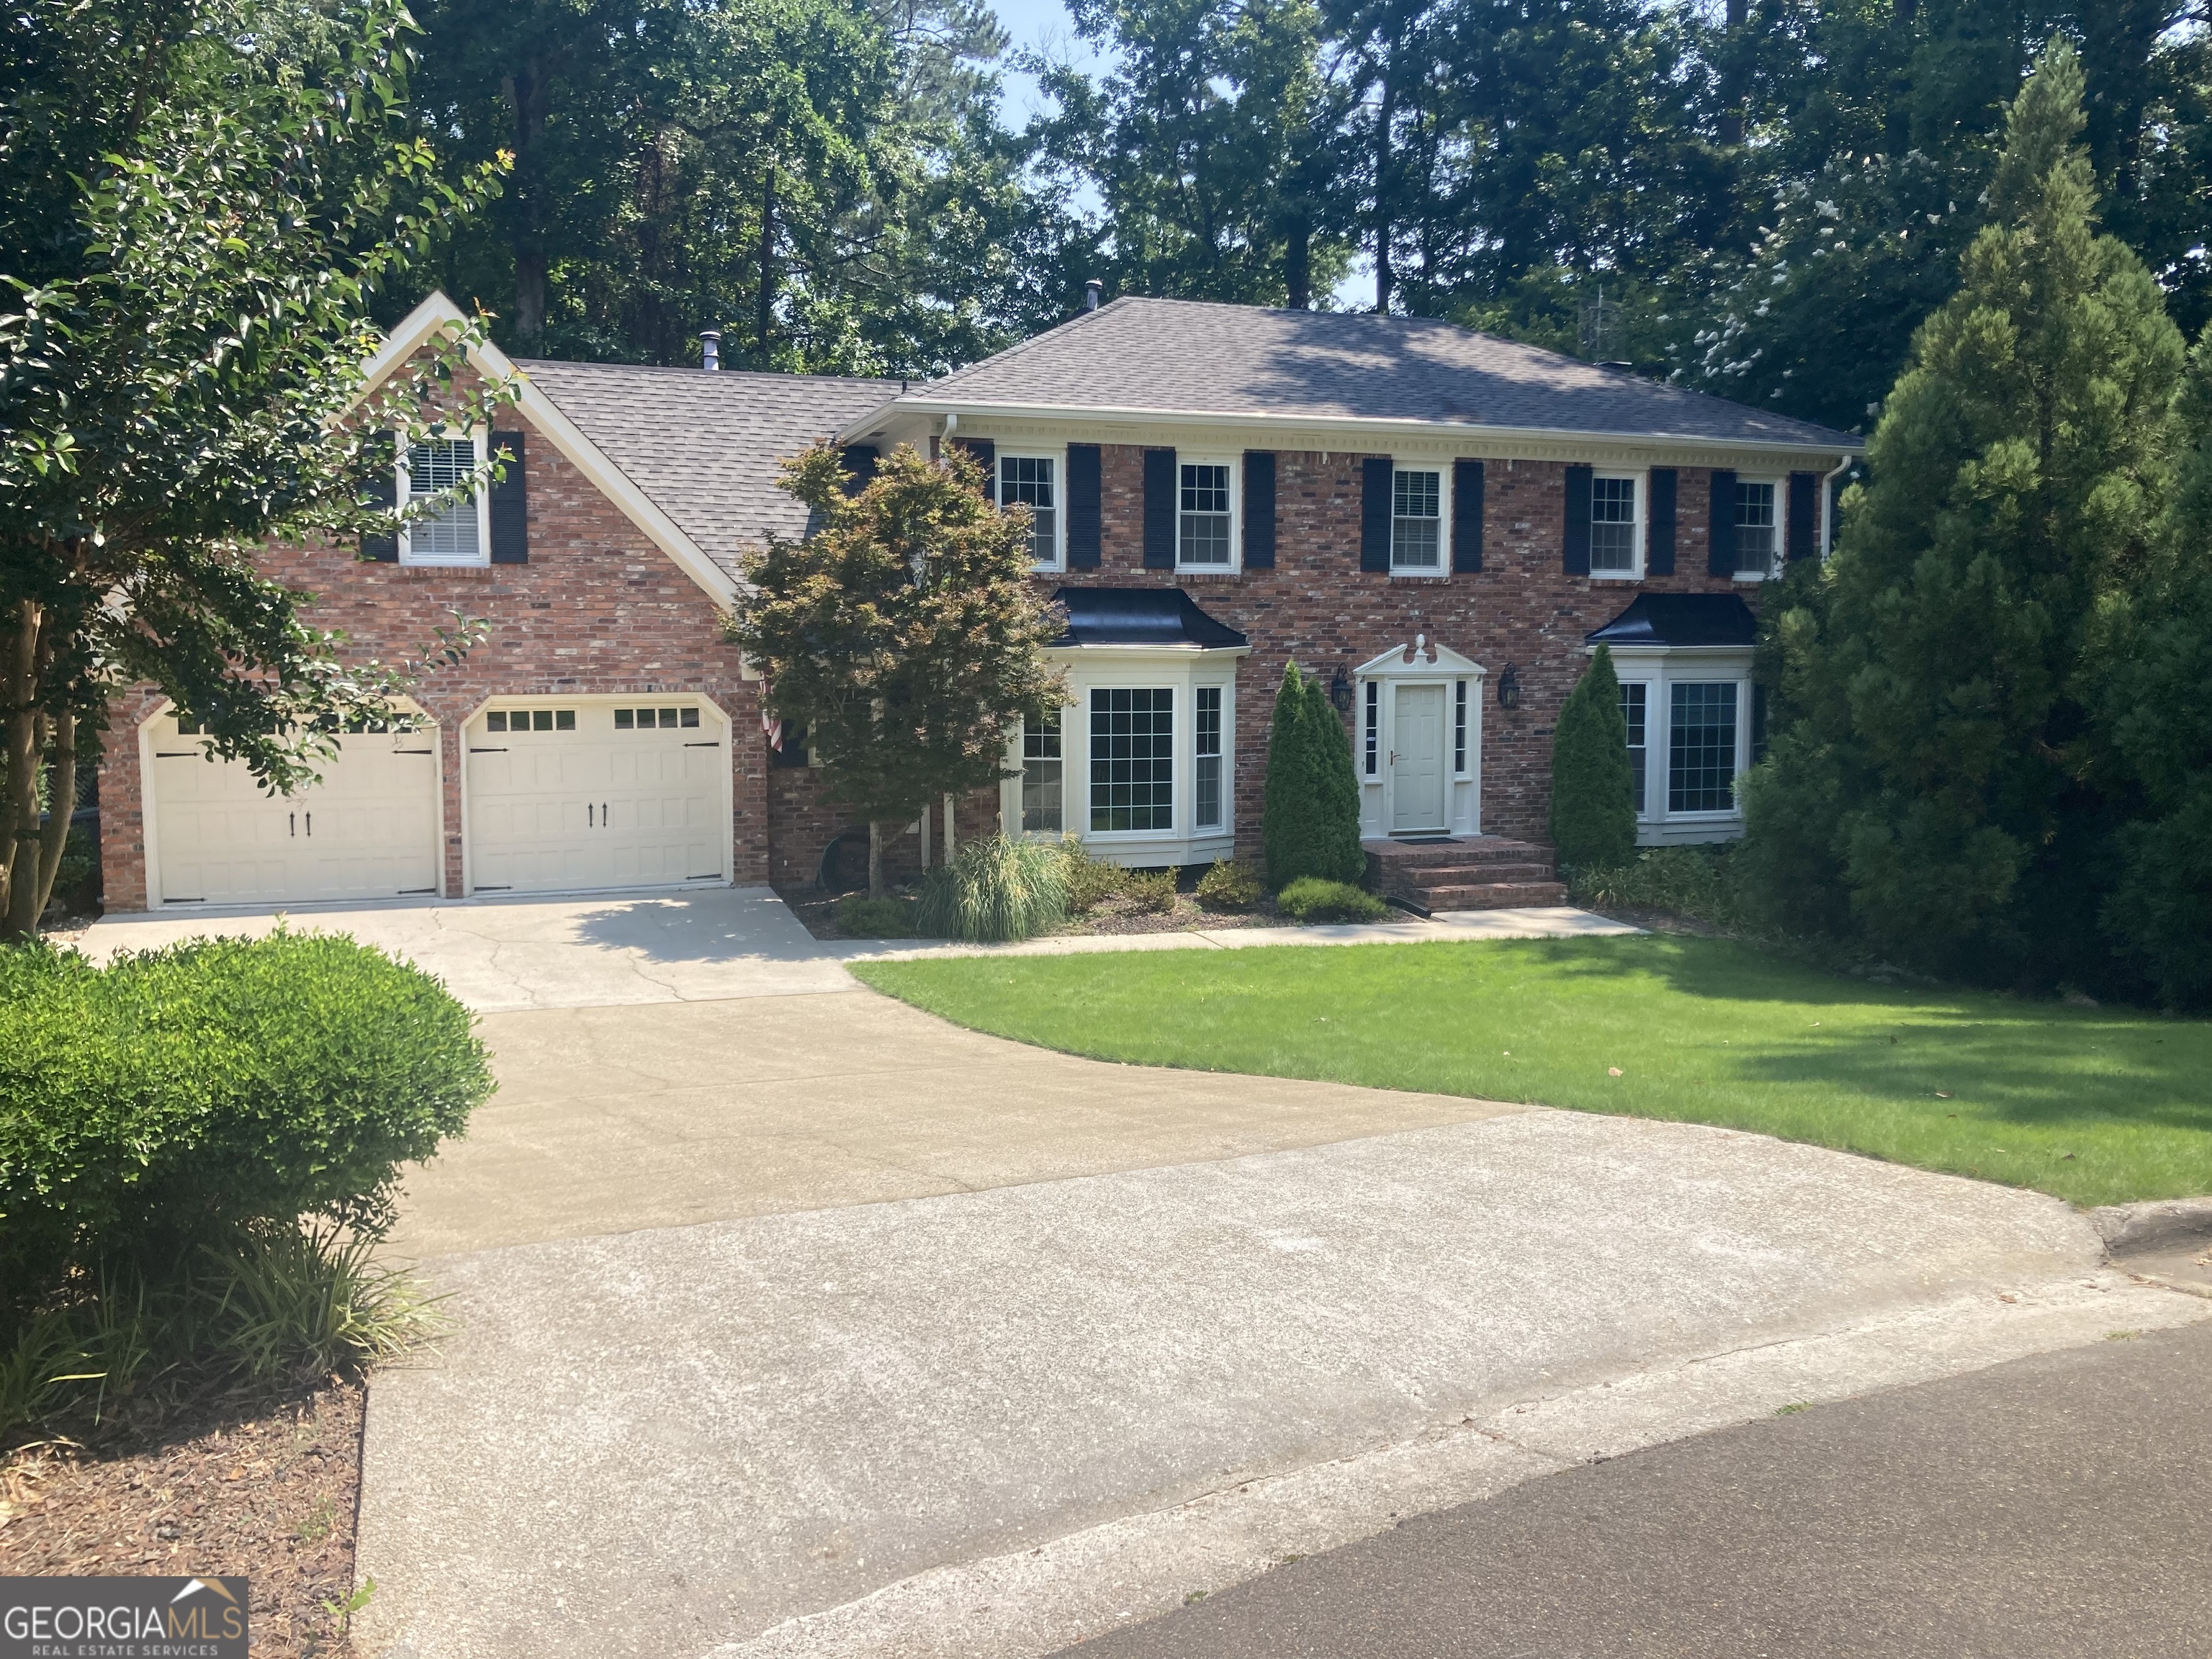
(875, 857)
(529, 92)
(26, 871)
(1297, 264)
(1385, 183)
(1732, 74)
(764, 307)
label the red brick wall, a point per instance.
(1317, 606)
(597, 610)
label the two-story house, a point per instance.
(1437, 523)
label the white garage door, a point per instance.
(575, 796)
(369, 829)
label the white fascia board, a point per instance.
(1656, 653)
(1346, 426)
(436, 312)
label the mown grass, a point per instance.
(2097, 1106)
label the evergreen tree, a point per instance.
(1592, 789)
(1311, 823)
(1925, 785)
(1339, 855)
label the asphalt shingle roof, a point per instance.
(1191, 357)
(706, 446)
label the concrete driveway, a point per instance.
(792, 1322)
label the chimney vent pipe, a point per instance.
(1092, 290)
(710, 349)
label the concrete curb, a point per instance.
(2153, 1225)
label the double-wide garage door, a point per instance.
(369, 829)
(564, 796)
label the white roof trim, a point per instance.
(1423, 658)
(437, 313)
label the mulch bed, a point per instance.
(818, 912)
(221, 1483)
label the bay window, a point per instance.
(1042, 812)
(1701, 739)
(1132, 758)
(1207, 755)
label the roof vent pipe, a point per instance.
(1092, 290)
(710, 349)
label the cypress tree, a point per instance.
(1288, 824)
(1592, 789)
(1338, 855)
(1925, 785)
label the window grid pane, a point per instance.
(1633, 710)
(1701, 748)
(1373, 724)
(1459, 726)
(1206, 721)
(1613, 526)
(1754, 529)
(1205, 501)
(1040, 775)
(1132, 759)
(449, 538)
(1028, 479)
(1416, 520)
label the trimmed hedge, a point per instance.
(1310, 898)
(183, 1095)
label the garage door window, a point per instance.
(653, 719)
(531, 720)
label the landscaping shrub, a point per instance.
(1231, 885)
(1311, 899)
(996, 889)
(1152, 891)
(860, 917)
(1700, 881)
(1593, 788)
(1090, 881)
(1311, 826)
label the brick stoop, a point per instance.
(1469, 872)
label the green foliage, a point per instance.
(191, 1093)
(1592, 786)
(996, 889)
(1150, 892)
(859, 917)
(1231, 885)
(1311, 823)
(1928, 788)
(905, 632)
(1310, 898)
(297, 1297)
(1698, 882)
(1090, 881)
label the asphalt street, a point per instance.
(2051, 1506)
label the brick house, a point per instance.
(1437, 523)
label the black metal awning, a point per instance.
(1141, 615)
(1680, 619)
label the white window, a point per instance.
(1417, 520)
(1033, 481)
(460, 533)
(1755, 544)
(1701, 746)
(1635, 709)
(1205, 522)
(1132, 758)
(1207, 781)
(1616, 524)
(1041, 802)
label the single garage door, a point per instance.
(575, 797)
(369, 829)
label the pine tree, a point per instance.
(1925, 787)
(1592, 789)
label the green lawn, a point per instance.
(2095, 1105)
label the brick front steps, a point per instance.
(1469, 872)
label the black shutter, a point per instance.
(1659, 540)
(1160, 483)
(1467, 516)
(383, 491)
(1576, 548)
(860, 466)
(1374, 476)
(1082, 507)
(1720, 549)
(1259, 509)
(510, 504)
(1799, 544)
(985, 454)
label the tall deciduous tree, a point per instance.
(1926, 785)
(201, 199)
(905, 632)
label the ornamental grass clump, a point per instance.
(995, 890)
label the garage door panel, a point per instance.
(368, 829)
(591, 803)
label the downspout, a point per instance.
(1827, 509)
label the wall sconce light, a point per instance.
(1508, 688)
(1340, 691)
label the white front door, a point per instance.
(369, 829)
(574, 796)
(1417, 759)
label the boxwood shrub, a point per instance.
(184, 1095)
